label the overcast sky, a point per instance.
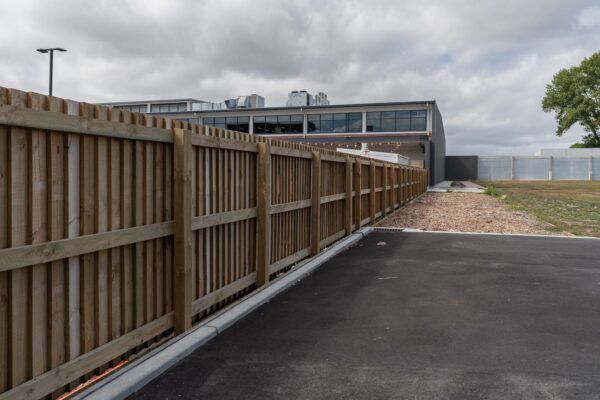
(486, 63)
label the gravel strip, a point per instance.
(465, 212)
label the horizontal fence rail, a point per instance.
(119, 230)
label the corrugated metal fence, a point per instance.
(538, 168)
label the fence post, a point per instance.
(384, 192)
(315, 212)
(263, 218)
(372, 196)
(183, 230)
(357, 194)
(348, 203)
(550, 168)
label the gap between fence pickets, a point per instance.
(139, 373)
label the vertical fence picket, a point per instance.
(183, 230)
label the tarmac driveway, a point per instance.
(416, 316)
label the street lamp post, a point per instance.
(51, 51)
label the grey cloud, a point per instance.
(485, 62)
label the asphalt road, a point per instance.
(416, 316)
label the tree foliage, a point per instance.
(574, 97)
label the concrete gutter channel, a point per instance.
(140, 372)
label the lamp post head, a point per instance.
(60, 49)
(42, 50)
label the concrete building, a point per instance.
(321, 99)
(299, 99)
(412, 129)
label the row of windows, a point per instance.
(338, 123)
(279, 124)
(240, 124)
(384, 121)
(141, 108)
(397, 121)
(169, 107)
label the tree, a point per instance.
(574, 97)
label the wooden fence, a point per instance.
(119, 230)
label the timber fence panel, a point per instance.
(119, 229)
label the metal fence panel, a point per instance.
(531, 168)
(494, 168)
(596, 168)
(564, 168)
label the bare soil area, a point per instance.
(465, 212)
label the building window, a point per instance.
(278, 124)
(168, 107)
(337, 123)
(240, 124)
(397, 121)
(138, 108)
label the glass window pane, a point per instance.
(340, 125)
(314, 126)
(355, 125)
(243, 126)
(418, 124)
(388, 124)
(271, 124)
(402, 124)
(259, 127)
(297, 118)
(418, 113)
(388, 114)
(220, 120)
(282, 128)
(297, 126)
(326, 117)
(355, 115)
(402, 114)
(231, 123)
(283, 118)
(374, 125)
(182, 107)
(259, 119)
(326, 125)
(373, 115)
(243, 119)
(340, 117)
(314, 117)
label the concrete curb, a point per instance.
(412, 230)
(140, 372)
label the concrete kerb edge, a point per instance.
(140, 372)
(412, 230)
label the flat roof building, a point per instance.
(411, 129)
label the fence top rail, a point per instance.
(51, 121)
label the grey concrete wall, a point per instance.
(461, 168)
(538, 168)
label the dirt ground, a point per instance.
(465, 212)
